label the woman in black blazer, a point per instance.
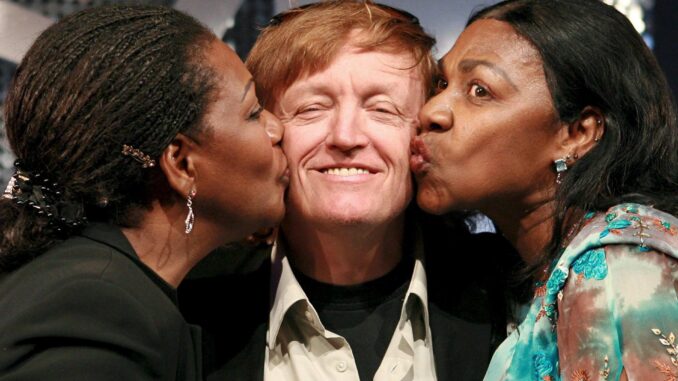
(142, 147)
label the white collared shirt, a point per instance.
(298, 347)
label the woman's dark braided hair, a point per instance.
(92, 82)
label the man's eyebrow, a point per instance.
(467, 65)
(247, 89)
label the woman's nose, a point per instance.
(273, 126)
(436, 115)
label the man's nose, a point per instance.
(347, 131)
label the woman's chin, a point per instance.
(431, 202)
(277, 216)
(274, 216)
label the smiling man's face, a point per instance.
(347, 137)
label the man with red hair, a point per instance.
(351, 295)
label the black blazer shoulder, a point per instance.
(89, 309)
(466, 278)
(232, 311)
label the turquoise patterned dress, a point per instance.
(609, 308)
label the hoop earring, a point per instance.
(561, 166)
(190, 218)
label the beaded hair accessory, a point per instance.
(136, 154)
(37, 192)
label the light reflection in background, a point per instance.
(638, 12)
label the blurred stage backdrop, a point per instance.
(237, 22)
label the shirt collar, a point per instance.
(287, 291)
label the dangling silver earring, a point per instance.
(561, 166)
(190, 218)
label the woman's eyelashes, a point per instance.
(473, 88)
(478, 90)
(256, 113)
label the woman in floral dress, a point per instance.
(554, 118)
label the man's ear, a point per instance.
(177, 164)
(577, 138)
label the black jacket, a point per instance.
(88, 309)
(465, 276)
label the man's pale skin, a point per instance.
(347, 136)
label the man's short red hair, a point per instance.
(306, 40)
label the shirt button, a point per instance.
(342, 366)
(309, 315)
